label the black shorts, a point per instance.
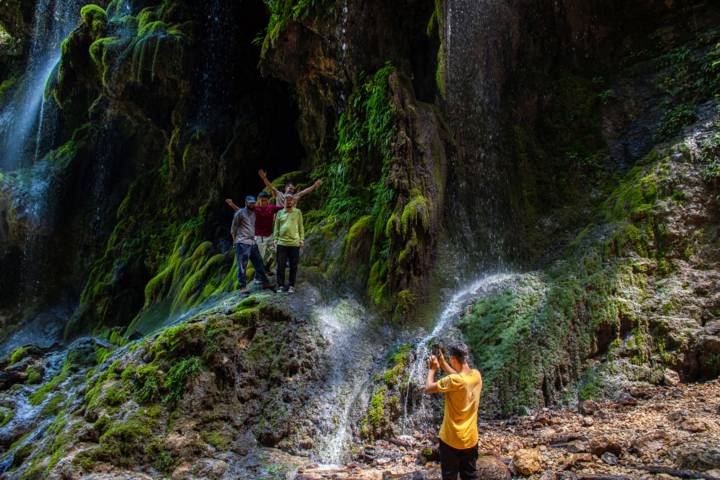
(454, 461)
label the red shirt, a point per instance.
(264, 219)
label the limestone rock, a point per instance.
(306, 443)
(650, 443)
(588, 422)
(600, 445)
(588, 407)
(609, 458)
(671, 378)
(526, 461)
(576, 446)
(210, 468)
(698, 456)
(694, 425)
(490, 468)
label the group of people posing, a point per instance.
(275, 232)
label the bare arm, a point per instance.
(309, 189)
(232, 205)
(445, 366)
(277, 193)
(430, 385)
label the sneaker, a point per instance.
(244, 289)
(257, 282)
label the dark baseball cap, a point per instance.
(250, 199)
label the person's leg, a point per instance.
(282, 255)
(262, 244)
(257, 263)
(241, 256)
(294, 254)
(468, 464)
(273, 256)
(449, 462)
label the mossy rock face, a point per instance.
(387, 403)
(235, 382)
(618, 294)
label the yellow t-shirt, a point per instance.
(462, 397)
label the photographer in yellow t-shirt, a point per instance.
(459, 433)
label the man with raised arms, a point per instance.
(459, 431)
(289, 190)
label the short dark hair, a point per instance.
(460, 351)
(289, 184)
(263, 195)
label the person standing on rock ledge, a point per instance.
(243, 234)
(459, 432)
(264, 221)
(289, 237)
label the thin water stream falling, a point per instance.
(22, 123)
(419, 367)
(357, 345)
(354, 339)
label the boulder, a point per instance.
(576, 446)
(588, 407)
(526, 461)
(671, 378)
(209, 468)
(650, 443)
(490, 468)
(306, 443)
(600, 445)
(694, 425)
(8, 379)
(588, 422)
(609, 458)
(698, 456)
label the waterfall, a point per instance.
(357, 346)
(355, 340)
(23, 123)
(419, 367)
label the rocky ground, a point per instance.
(654, 432)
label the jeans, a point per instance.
(283, 254)
(454, 461)
(243, 253)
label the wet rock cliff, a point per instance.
(572, 147)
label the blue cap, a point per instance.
(250, 199)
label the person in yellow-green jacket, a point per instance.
(288, 238)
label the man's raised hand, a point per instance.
(434, 364)
(318, 182)
(228, 201)
(262, 173)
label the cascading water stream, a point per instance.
(419, 367)
(354, 340)
(23, 122)
(354, 355)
